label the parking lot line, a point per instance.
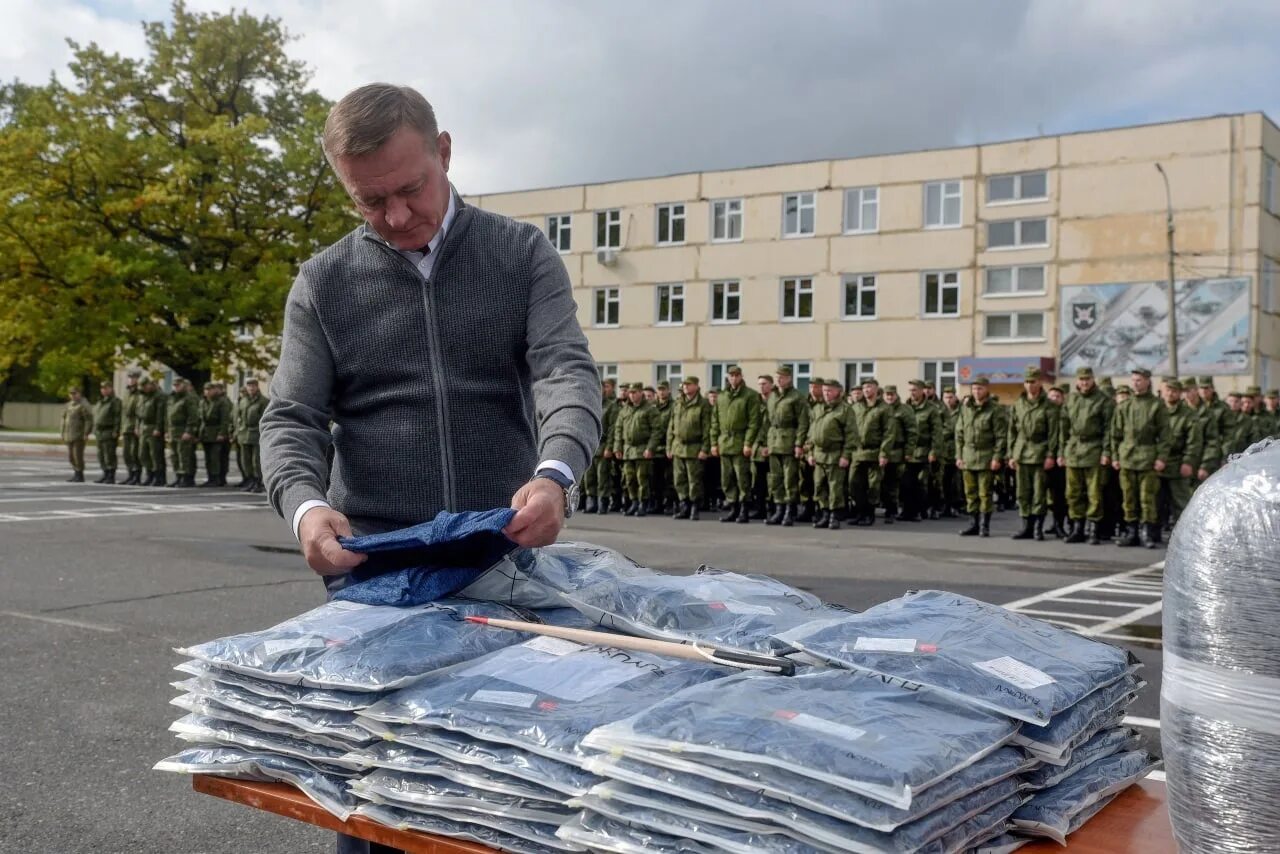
(60, 621)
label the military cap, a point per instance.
(833, 384)
(1275, 392)
(664, 385)
(219, 384)
(981, 379)
(891, 389)
(734, 369)
(1233, 393)
(916, 383)
(1188, 382)
(251, 381)
(649, 388)
(869, 381)
(768, 377)
(210, 384)
(948, 389)
(784, 370)
(1064, 388)
(1085, 373)
(135, 373)
(931, 385)
(146, 378)
(1142, 372)
(106, 384)
(1253, 391)
(1031, 373)
(636, 387)
(179, 380)
(689, 381)
(1123, 389)
(1206, 382)
(817, 381)
(1173, 383)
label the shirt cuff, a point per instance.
(563, 468)
(302, 511)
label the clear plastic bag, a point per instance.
(977, 653)
(536, 578)
(313, 721)
(796, 802)
(598, 833)
(543, 695)
(297, 695)
(353, 647)
(411, 760)
(1050, 812)
(1004, 843)
(326, 788)
(859, 732)
(1105, 743)
(414, 791)
(213, 709)
(1220, 695)
(202, 729)
(1103, 708)
(445, 826)
(426, 819)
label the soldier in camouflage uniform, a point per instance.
(1215, 415)
(787, 413)
(737, 426)
(151, 432)
(899, 455)
(597, 482)
(1140, 439)
(129, 429)
(255, 403)
(814, 402)
(689, 446)
(1112, 499)
(877, 430)
(981, 433)
(1056, 477)
(1211, 454)
(761, 501)
(664, 494)
(107, 418)
(77, 424)
(182, 425)
(636, 441)
(1032, 442)
(949, 495)
(918, 473)
(1186, 449)
(1085, 432)
(215, 427)
(830, 446)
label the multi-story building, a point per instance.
(941, 264)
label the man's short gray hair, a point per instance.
(367, 117)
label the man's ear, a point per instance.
(444, 147)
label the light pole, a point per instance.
(1173, 310)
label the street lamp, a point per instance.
(1173, 311)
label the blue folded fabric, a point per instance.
(426, 562)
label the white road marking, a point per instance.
(129, 510)
(61, 621)
(1109, 603)
(1145, 585)
(1083, 585)
(1039, 613)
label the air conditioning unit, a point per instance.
(607, 257)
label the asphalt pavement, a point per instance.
(98, 584)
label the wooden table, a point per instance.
(1137, 822)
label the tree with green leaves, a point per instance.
(157, 209)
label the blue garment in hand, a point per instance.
(426, 562)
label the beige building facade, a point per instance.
(939, 264)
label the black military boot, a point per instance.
(1147, 535)
(1028, 526)
(744, 513)
(1077, 531)
(1156, 535)
(732, 515)
(868, 518)
(834, 522)
(591, 505)
(1129, 537)
(757, 510)
(695, 511)
(948, 512)
(806, 512)
(258, 486)
(602, 506)
(629, 508)
(985, 531)
(76, 477)
(779, 510)
(789, 513)
(973, 529)
(102, 479)
(820, 518)
(642, 507)
(1037, 529)
(111, 476)
(890, 512)
(1091, 533)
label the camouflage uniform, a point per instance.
(1186, 447)
(788, 420)
(215, 429)
(182, 419)
(981, 433)
(1139, 437)
(832, 438)
(597, 482)
(737, 422)
(151, 431)
(688, 436)
(904, 446)
(877, 432)
(255, 403)
(918, 474)
(1032, 439)
(1082, 445)
(77, 424)
(129, 429)
(108, 417)
(635, 433)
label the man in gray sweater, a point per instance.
(436, 346)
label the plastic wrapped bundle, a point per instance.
(1053, 742)
(536, 578)
(207, 731)
(598, 833)
(411, 761)
(1220, 698)
(415, 792)
(451, 826)
(1060, 810)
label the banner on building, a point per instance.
(1006, 370)
(1115, 328)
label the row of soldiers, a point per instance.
(147, 419)
(831, 456)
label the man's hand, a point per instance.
(540, 513)
(1062, 462)
(1106, 461)
(1202, 474)
(764, 452)
(187, 437)
(670, 455)
(702, 455)
(607, 454)
(799, 452)
(960, 464)
(715, 450)
(318, 532)
(648, 455)
(1159, 466)
(747, 451)
(221, 438)
(995, 465)
(1185, 470)
(844, 462)
(1013, 465)
(1048, 463)
(884, 461)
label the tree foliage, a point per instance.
(157, 209)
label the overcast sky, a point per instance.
(545, 92)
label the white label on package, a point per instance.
(734, 607)
(826, 727)
(573, 678)
(883, 645)
(1015, 672)
(552, 646)
(505, 698)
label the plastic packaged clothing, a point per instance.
(536, 578)
(713, 606)
(354, 647)
(297, 695)
(412, 791)
(504, 758)
(1050, 812)
(1220, 693)
(986, 825)
(977, 653)
(543, 695)
(1005, 843)
(442, 826)
(326, 788)
(412, 761)
(859, 732)
(598, 833)
(1103, 708)
(804, 803)
(314, 721)
(206, 707)
(205, 730)
(424, 818)
(426, 562)
(1105, 743)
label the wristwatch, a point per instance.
(570, 488)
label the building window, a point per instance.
(609, 229)
(559, 228)
(718, 374)
(1022, 187)
(726, 302)
(801, 374)
(942, 294)
(670, 225)
(1014, 326)
(668, 372)
(1017, 233)
(670, 305)
(861, 210)
(1270, 185)
(607, 371)
(726, 220)
(798, 214)
(797, 299)
(1269, 299)
(1013, 281)
(857, 370)
(606, 307)
(859, 297)
(942, 204)
(941, 372)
